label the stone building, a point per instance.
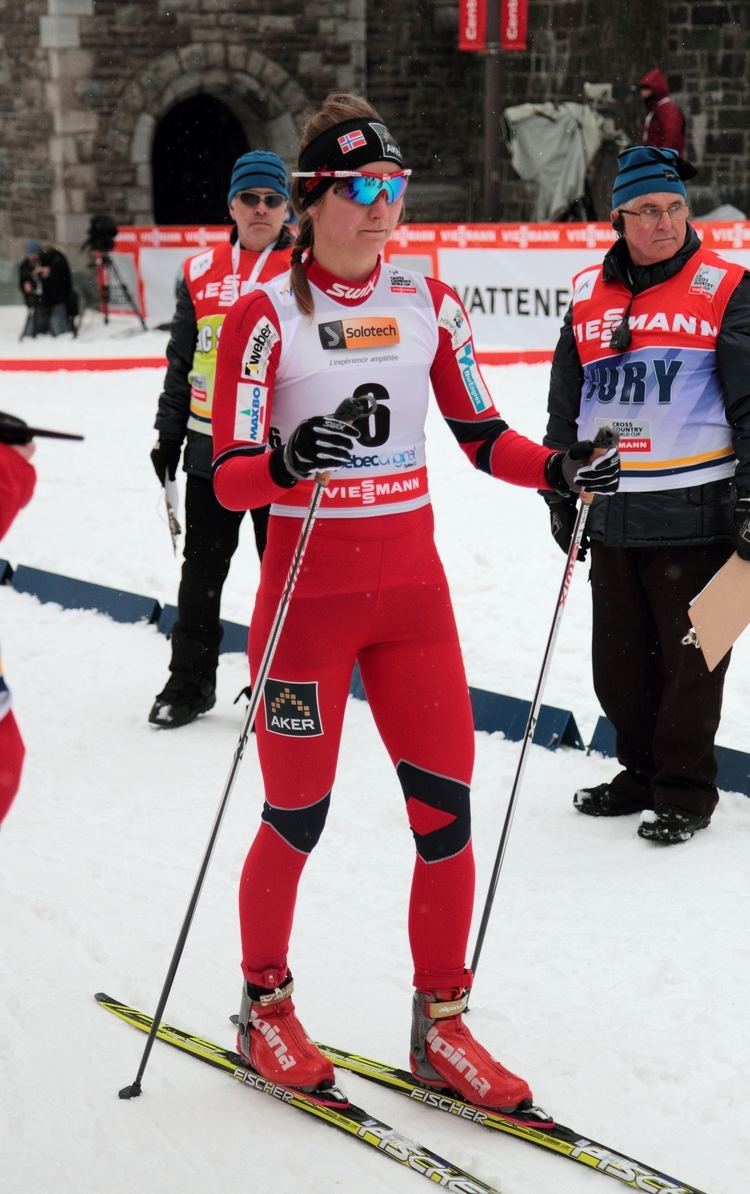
(136, 108)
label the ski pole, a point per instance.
(347, 411)
(604, 440)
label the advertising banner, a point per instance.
(472, 24)
(514, 279)
(514, 24)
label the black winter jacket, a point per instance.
(174, 401)
(47, 292)
(699, 513)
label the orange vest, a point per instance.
(215, 280)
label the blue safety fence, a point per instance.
(493, 712)
(734, 765)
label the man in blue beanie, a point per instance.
(258, 248)
(656, 343)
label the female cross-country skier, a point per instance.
(371, 588)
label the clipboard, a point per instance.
(721, 611)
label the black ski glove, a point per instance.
(562, 518)
(570, 472)
(165, 456)
(316, 446)
(741, 528)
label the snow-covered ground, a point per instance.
(614, 974)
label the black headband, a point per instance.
(348, 145)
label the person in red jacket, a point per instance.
(664, 125)
(371, 589)
(17, 481)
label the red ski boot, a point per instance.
(445, 1056)
(272, 1040)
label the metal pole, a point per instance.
(605, 438)
(348, 411)
(492, 114)
(575, 544)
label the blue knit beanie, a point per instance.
(32, 247)
(647, 170)
(258, 168)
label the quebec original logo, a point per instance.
(257, 352)
(341, 335)
(292, 709)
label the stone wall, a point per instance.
(434, 94)
(83, 84)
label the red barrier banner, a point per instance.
(514, 279)
(472, 24)
(514, 24)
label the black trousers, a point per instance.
(659, 695)
(211, 538)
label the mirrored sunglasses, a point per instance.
(362, 187)
(252, 199)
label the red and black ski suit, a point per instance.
(371, 589)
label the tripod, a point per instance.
(105, 267)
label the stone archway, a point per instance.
(264, 98)
(195, 145)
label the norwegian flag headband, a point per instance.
(345, 146)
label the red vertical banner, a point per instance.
(514, 24)
(472, 24)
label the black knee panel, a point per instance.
(439, 811)
(300, 827)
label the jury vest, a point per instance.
(215, 280)
(663, 394)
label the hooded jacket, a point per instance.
(664, 125)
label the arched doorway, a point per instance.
(195, 146)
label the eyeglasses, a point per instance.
(650, 214)
(252, 199)
(363, 187)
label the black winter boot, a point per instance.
(191, 687)
(669, 825)
(627, 793)
(182, 699)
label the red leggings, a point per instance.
(371, 590)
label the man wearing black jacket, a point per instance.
(45, 282)
(258, 248)
(656, 343)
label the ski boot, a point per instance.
(272, 1040)
(445, 1056)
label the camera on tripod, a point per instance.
(101, 235)
(100, 241)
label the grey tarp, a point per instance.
(552, 145)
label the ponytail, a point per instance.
(300, 284)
